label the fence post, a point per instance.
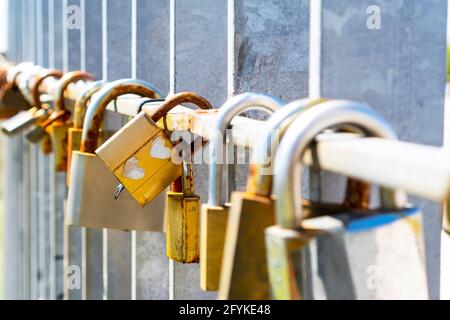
(198, 63)
(151, 63)
(117, 53)
(92, 239)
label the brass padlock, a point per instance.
(58, 130)
(74, 133)
(91, 202)
(328, 257)
(58, 123)
(140, 154)
(252, 211)
(183, 215)
(214, 214)
(183, 206)
(12, 101)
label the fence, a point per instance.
(291, 49)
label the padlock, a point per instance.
(12, 100)
(140, 154)
(58, 124)
(91, 202)
(252, 211)
(37, 114)
(183, 206)
(74, 133)
(45, 143)
(58, 130)
(362, 254)
(214, 214)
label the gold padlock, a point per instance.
(182, 204)
(252, 212)
(140, 154)
(74, 134)
(58, 130)
(91, 202)
(214, 215)
(183, 215)
(46, 143)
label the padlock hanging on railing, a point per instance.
(252, 211)
(76, 131)
(92, 187)
(12, 100)
(363, 254)
(214, 214)
(35, 115)
(182, 204)
(58, 124)
(140, 154)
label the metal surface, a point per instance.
(231, 108)
(300, 135)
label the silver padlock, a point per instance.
(361, 254)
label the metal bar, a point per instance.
(399, 164)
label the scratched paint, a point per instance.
(131, 169)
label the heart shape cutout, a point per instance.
(131, 169)
(159, 150)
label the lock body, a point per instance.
(12, 101)
(91, 200)
(58, 132)
(357, 255)
(183, 215)
(23, 120)
(140, 156)
(213, 227)
(249, 216)
(74, 144)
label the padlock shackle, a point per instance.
(184, 184)
(232, 107)
(41, 77)
(302, 133)
(177, 99)
(99, 102)
(12, 75)
(64, 82)
(23, 81)
(258, 181)
(82, 101)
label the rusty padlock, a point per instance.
(75, 133)
(183, 206)
(12, 101)
(329, 257)
(91, 201)
(252, 211)
(214, 214)
(58, 124)
(37, 114)
(140, 154)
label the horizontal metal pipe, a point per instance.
(419, 170)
